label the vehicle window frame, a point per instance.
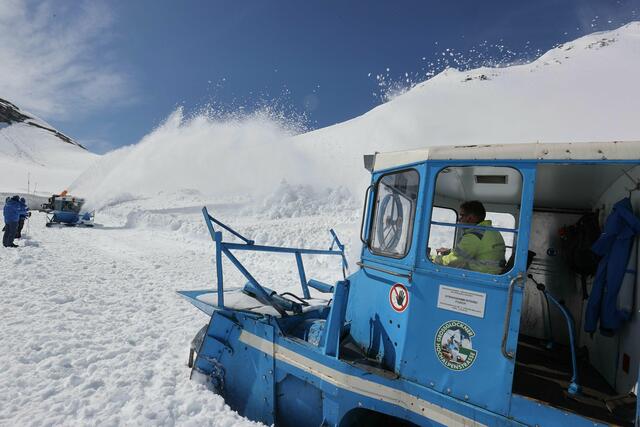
(515, 231)
(374, 211)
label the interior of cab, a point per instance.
(598, 379)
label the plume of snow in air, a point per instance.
(212, 154)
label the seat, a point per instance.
(509, 265)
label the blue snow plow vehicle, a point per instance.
(431, 331)
(65, 210)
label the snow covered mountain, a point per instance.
(33, 150)
(585, 90)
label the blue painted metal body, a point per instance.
(65, 210)
(70, 218)
(293, 369)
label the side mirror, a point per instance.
(367, 201)
(369, 161)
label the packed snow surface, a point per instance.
(92, 330)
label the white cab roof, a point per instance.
(613, 150)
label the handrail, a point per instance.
(393, 273)
(574, 385)
(507, 317)
(345, 264)
(277, 249)
(475, 227)
(226, 227)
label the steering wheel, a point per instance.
(389, 226)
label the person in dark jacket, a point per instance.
(12, 210)
(23, 216)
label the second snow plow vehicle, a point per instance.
(413, 338)
(65, 210)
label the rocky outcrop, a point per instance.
(10, 113)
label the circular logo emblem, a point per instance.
(399, 297)
(454, 347)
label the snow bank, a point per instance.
(180, 214)
(293, 201)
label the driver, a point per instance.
(478, 249)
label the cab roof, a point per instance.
(612, 150)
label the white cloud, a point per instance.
(53, 57)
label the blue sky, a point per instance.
(107, 73)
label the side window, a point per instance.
(504, 220)
(394, 211)
(481, 237)
(442, 236)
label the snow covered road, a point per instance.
(92, 330)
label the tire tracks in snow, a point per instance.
(93, 333)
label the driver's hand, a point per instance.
(443, 251)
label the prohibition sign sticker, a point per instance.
(399, 297)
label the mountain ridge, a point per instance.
(11, 113)
(36, 156)
(583, 90)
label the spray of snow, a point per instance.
(246, 154)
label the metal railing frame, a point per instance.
(249, 245)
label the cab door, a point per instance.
(387, 266)
(463, 328)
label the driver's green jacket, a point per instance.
(477, 250)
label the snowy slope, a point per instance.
(32, 149)
(586, 90)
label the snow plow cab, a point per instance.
(64, 209)
(414, 338)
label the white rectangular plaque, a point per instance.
(461, 301)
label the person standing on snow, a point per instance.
(12, 210)
(23, 216)
(478, 249)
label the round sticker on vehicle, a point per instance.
(454, 347)
(399, 297)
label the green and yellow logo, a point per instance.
(454, 347)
